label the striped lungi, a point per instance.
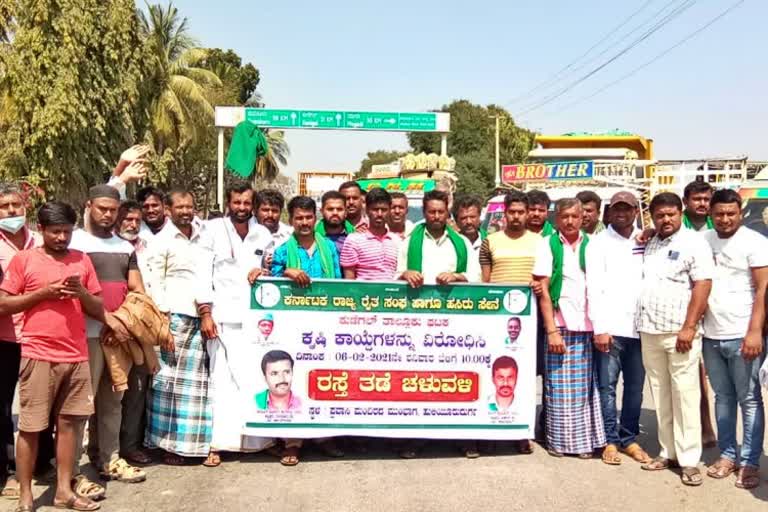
(179, 415)
(574, 418)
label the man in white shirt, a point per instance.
(614, 277)
(180, 421)
(234, 248)
(466, 214)
(267, 208)
(434, 253)
(677, 278)
(734, 346)
(574, 423)
(152, 201)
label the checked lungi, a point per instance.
(179, 414)
(574, 418)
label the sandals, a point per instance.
(171, 459)
(75, 502)
(585, 456)
(408, 453)
(87, 489)
(723, 468)
(659, 464)
(121, 471)
(554, 453)
(691, 477)
(12, 488)
(749, 478)
(24, 508)
(636, 452)
(525, 446)
(611, 455)
(290, 457)
(138, 457)
(213, 460)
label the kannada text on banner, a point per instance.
(382, 359)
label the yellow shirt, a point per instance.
(511, 260)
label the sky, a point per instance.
(706, 98)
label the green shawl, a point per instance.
(547, 229)
(321, 244)
(320, 228)
(688, 224)
(556, 280)
(416, 246)
(248, 143)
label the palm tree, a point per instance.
(179, 110)
(268, 166)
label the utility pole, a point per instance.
(498, 159)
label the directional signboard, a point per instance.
(342, 120)
(335, 119)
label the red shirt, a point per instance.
(53, 330)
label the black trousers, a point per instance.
(10, 358)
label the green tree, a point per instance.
(180, 111)
(69, 83)
(230, 69)
(378, 157)
(472, 143)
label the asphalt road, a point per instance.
(440, 480)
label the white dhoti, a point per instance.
(232, 373)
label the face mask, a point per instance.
(12, 224)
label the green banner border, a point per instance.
(385, 426)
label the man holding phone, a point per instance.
(54, 286)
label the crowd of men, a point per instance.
(614, 300)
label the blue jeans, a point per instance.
(736, 381)
(624, 357)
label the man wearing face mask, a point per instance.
(233, 248)
(14, 237)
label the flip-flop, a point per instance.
(170, 459)
(749, 478)
(290, 457)
(213, 460)
(723, 468)
(691, 477)
(24, 508)
(659, 464)
(11, 491)
(138, 458)
(611, 455)
(636, 452)
(525, 446)
(72, 504)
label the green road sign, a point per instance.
(342, 120)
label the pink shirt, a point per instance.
(374, 258)
(10, 330)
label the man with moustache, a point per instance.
(677, 279)
(398, 222)
(14, 237)
(233, 248)
(334, 225)
(115, 262)
(180, 421)
(574, 423)
(538, 211)
(152, 201)
(504, 373)
(306, 255)
(614, 278)
(372, 255)
(355, 203)
(135, 398)
(466, 214)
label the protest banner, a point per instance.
(384, 360)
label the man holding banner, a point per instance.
(574, 423)
(233, 248)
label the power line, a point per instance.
(655, 18)
(559, 73)
(654, 59)
(674, 14)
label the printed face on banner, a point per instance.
(384, 360)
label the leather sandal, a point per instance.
(749, 478)
(611, 455)
(691, 477)
(659, 464)
(722, 468)
(636, 452)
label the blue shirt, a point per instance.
(309, 264)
